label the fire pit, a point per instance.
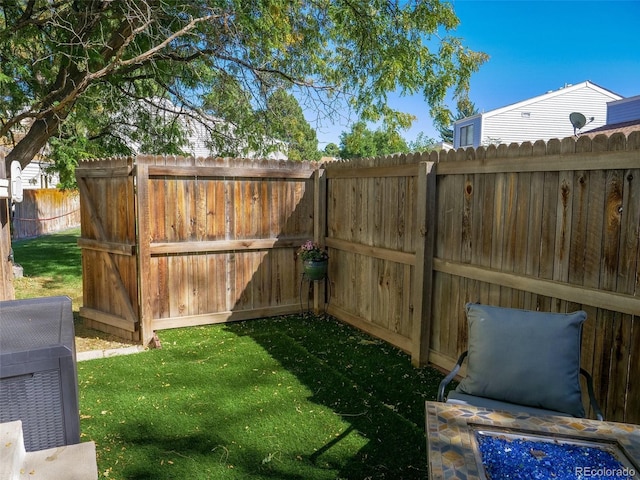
(472, 443)
(521, 455)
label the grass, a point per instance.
(52, 266)
(280, 398)
(285, 398)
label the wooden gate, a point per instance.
(172, 241)
(108, 244)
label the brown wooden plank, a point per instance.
(230, 172)
(632, 407)
(562, 234)
(107, 318)
(475, 195)
(512, 236)
(577, 294)
(395, 339)
(424, 228)
(487, 200)
(498, 234)
(127, 249)
(521, 248)
(554, 161)
(384, 171)
(224, 317)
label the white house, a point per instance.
(539, 118)
(36, 175)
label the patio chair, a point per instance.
(524, 361)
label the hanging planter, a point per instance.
(315, 269)
(315, 260)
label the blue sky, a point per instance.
(534, 47)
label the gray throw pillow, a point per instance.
(525, 357)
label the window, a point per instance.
(466, 136)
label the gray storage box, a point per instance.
(38, 377)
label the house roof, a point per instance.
(623, 127)
(550, 94)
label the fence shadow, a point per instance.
(369, 384)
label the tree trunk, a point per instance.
(35, 139)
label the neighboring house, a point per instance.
(539, 118)
(623, 116)
(198, 128)
(35, 175)
(199, 143)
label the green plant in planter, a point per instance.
(312, 251)
(314, 260)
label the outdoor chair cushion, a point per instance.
(525, 357)
(457, 398)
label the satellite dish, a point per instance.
(578, 121)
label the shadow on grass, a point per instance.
(282, 398)
(369, 384)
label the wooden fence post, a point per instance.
(423, 272)
(143, 250)
(6, 267)
(319, 229)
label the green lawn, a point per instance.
(280, 398)
(285, 398)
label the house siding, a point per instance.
(624, 110)
(35, 176)
(547, 118)
(541, 118)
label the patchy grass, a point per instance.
(285, 398)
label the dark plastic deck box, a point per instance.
(38, 376)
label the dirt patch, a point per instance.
(88, 339)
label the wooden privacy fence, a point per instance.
(171, 241)
(45, 211)
(547, 226)
(380, 239)
(550, 226)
